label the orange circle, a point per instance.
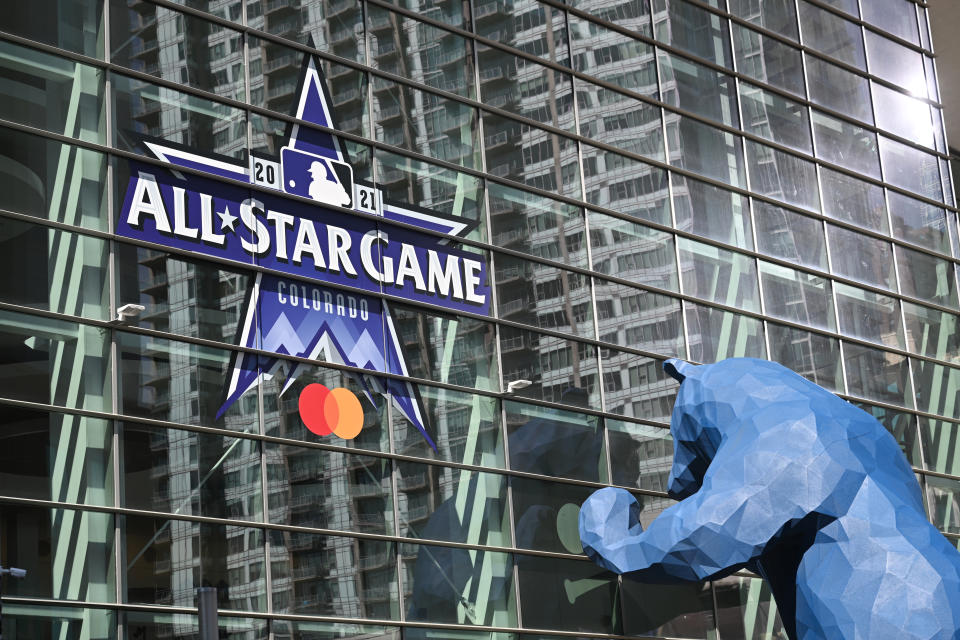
(348, 413)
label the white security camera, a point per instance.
(128, 311)
(516, 385)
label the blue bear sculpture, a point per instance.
(778, 475)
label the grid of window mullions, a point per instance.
(595, 275)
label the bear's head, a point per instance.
(712, 402)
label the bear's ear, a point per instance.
(678, 369)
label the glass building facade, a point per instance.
(645, 179)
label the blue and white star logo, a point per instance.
(317, 244)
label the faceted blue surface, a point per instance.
(778, 475)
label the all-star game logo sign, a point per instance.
(316, 245)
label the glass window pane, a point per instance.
(926, 277)
(716, 335)
(639, 319)
(797, 296)
(190, 473)
(641, 455)
(55, 456)
(532, 224)
(55, 361)
(768, 60)
(830, 34)
(68, 554)
(943, 495)
(331, 630)
(525, 88)
(775, 118)
(144, 109)
(466, 428)
(746, 609)
(633, 251)
(692, 29)
(700, 148)
(896, 63)
(592, 591)
(813, 356)
(902, 426)
(711, 212)
(74, 25)
(877, 375)
(636, 386)
(454, 505)
(698, 89)
(920, 223)
(328, 489)
(555, 442)
(180, 382)
(440, 585)
(629, 186)
(419, 51)
(937, 387)
(902, 115)
(847, 6)
(52, 93)
(51, 180)
(675, 610)
(634, 14)
(532, 156)
(718, 275)
(57, 270)
(940, 441)
(620, 121)
(910, 168)
(149, 624)
(613, 57)
(861, 257)
(775, 15)
(853, 200)
(29, 622)
(433, 187)
(445, 348)
(869, 316)
(543, 296)
(546, 514)
(847, 145)
(789, 235)
(782, 176)
(931, 332)
(528, 25)
(330, 26)
(839, 89)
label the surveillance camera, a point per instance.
(128, 311)
(516, 385)
(18, 573)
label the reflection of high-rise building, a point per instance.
(641, 179)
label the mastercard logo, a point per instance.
(325, 411)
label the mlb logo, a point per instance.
(311, 176)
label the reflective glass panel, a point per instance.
(68, 554)
(698, 89)
(325, 489)
(778, 119)
(940, 441)
(639, 319)
(693, 29)
(636, 386)
(633, 251)
(546, 514)
(910, 168)
(926, 277)
(877, 375)
(590, 590)
(524, 88)
(746, 609)
(716, 335)
(30, 622)
(51, 180)
(903, 115)
(943, 495)
(625, 184)
(789, 235)
(454, 505)
(853, 200)
(902, 426)
(675, 610)
(181, 626)
(920, 223)
(869, 316)
(534, 28)
(861, 258)
(718, 275)
(543, 296)
(847, 145)
(797, 296)
(329, 25)
(707, 151)
(768, 60)
(896, 63)
(775, 15)
(613, 57)
(640, 455)
(74, 25)
(619, 120)
(931, 332)
(830, 34)
(782, 176)
(711, 212)
(813, 356)
(936, 386)
(189, 473)
(839, 89)
(555, 442)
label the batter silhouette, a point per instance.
(324, 189)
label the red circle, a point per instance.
(311, 404)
